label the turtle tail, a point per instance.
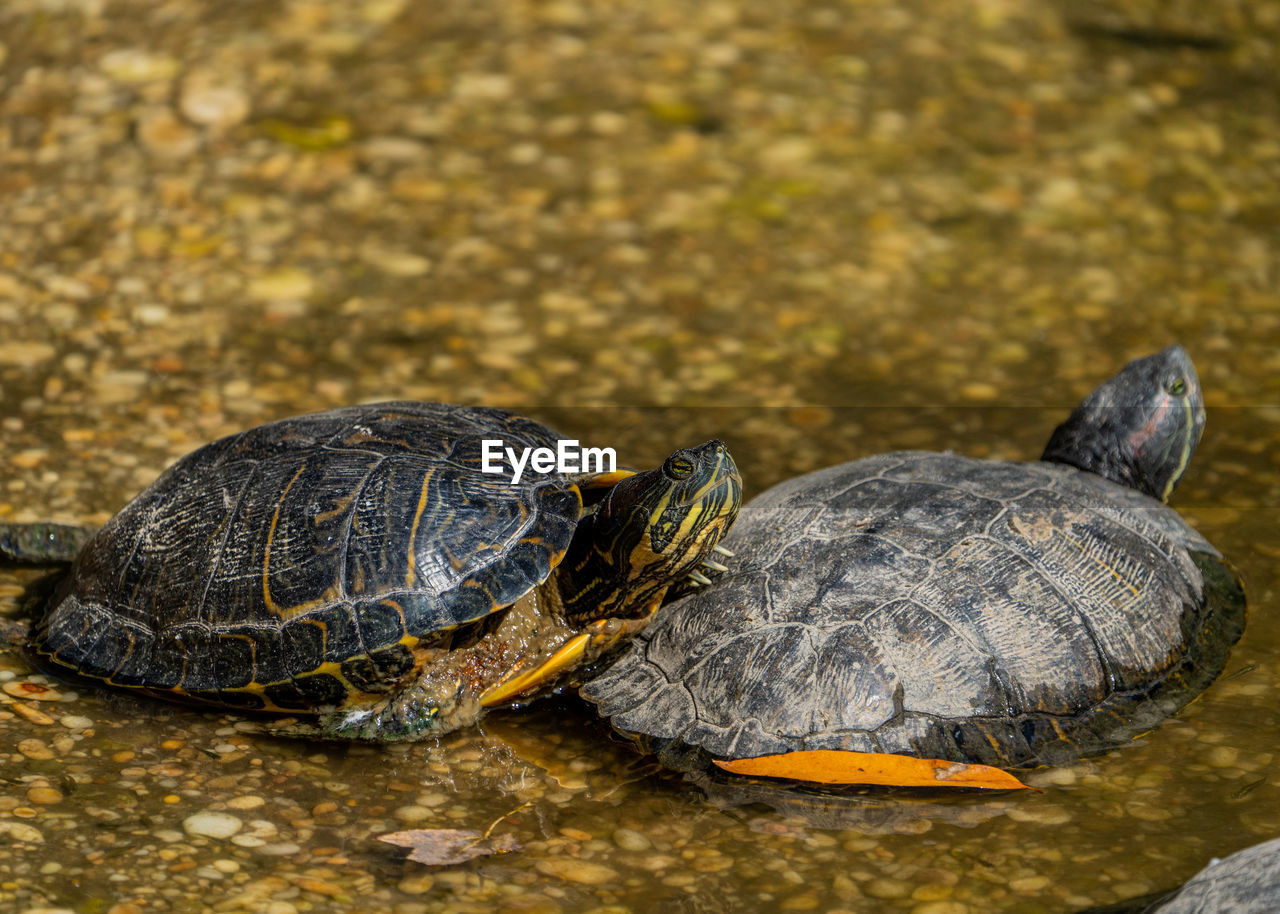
(41, 544)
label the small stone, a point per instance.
(210, 824)
(413, 813)
(164, 135)
(227, 866)
(483, 86)
(395, 263)
(1052, 777)
(32, 691)
(75, 722)
(44, 796)
(285, 284)
(631, 840)
(135, 66)
(608, 123)
(806, 902)
(417, 884)
(1044, 815)
(214, 106)
(788, 152)
(1145, 813)
(1223, 756)
(281, 849)
(887, 888)
(125, 907)
(931, 892)
(393, 149)
(26, 354)
(318, 886)
(35, 749)
(979, 390)
(249, 802)
(153, 315)
(1029, 883)
(21, 831)
(571, 869)
(31, 713)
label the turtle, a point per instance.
(361, 571)
(934, 605)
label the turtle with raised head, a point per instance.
(360, 568)
(933, 605)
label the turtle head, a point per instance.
(651, 530)
(1139, 428)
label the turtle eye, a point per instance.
(678, 467)
(1177, 387)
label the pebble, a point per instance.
(887, 888)
(246, 802)
(164, 135)
(1041, 814)
(282, 285)
(25, 354)
(211, 824)
(44, 796)
(75, 722)
(21, 831)
(1029, 883)
(279, 849)
(32, 691)
(1223, 756)
(35, 749)
(214, 106)
(32, 713)
(413, 813)
(417, 883)
(395, 263)
(135, 66)
(571, 869)
(631, 840)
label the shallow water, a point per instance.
(816, 231)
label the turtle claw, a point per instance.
(714, 566)
(723, 550)
(699, 577)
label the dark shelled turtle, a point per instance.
(933, 605)
(359, 567)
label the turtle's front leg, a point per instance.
(424, 708)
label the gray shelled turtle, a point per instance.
(934, 605)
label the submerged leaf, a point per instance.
(449, 846)
(828, 766)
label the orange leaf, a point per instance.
(827, 766)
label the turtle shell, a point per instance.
(933, 605)
(296, 563)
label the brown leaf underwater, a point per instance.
(450, 846)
